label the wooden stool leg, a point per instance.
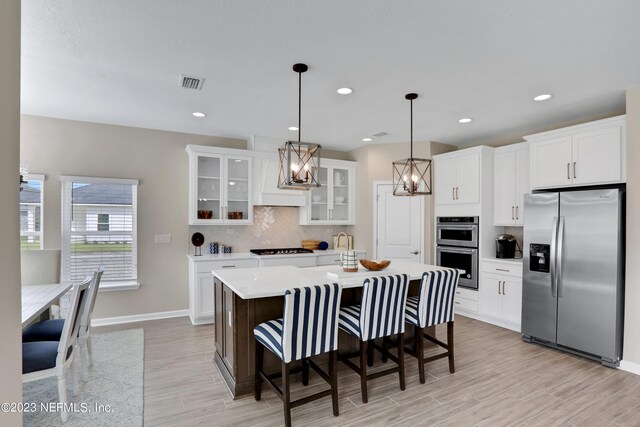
(419, 349)
(258, 369)
(363, 371)
(370, 353)
(452, 368)
(401, 360)
(305, 372)
(385, 349)
(286, 395)
(333, 374)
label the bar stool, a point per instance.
(309, 327)
(380, 314)
(433, 306)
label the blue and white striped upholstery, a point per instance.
(434, 303)
(381, 312)
(309, 326)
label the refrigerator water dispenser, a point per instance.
(539, 257)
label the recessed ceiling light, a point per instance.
(465, 120)
(293, 127)
(345, 91)
(367, 139)
(199, 114)
(542, 97)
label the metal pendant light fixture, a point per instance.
(412, 176)
(299, 161)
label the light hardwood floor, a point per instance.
(499, 381)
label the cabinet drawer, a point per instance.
(467, 294)
(208, 266)
(504, 268)
(466, 304)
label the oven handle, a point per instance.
(456, 250)
(456, 227)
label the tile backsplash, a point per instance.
(273, 227)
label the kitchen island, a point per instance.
(246, 297)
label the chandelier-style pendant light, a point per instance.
(411, 177)
(299, 161)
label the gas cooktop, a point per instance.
(281, 251)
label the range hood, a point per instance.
(265, 175)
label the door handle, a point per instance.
(552, 255)
(517, 212)
(512, 215)
(414, 252)
(453, 193)
(499, 293)
(503, 283)
(457, 194)
(559, 285)
(574, 169)
(568, 172)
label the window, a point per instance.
(31, 213)
(99, 229)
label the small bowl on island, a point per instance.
(375, 265)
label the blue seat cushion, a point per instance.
(38, 356)
(47, 330)
(270, 335)
(349, 320)
(411, 311)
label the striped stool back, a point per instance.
(437, 293)
(382, 307)
(310, 321)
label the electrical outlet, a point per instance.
(163, 238)
(231, 231)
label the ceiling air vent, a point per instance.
(189, 82)
(379, 134)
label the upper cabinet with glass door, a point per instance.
(219, 186)
(335, 200)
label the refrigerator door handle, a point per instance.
(559, 286)
(552, 255)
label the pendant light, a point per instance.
(412, 176)
(299, 161)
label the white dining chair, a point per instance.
(51, 330)
(44, 359)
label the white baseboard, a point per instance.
(138, 318)
(632, 367)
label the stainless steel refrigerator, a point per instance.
(573, 272)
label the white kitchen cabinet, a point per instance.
(220, 187)
(501, 293)
(335, 200)
(589, 154)
(510, 183)
(457, 177)
(201, 295)
(466, 301)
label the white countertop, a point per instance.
(514, 261)
(249, 255)
(250, 283)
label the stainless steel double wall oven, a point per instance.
(457, 247)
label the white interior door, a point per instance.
(399, 225)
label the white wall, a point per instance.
(10, 323)
(631, 352)
(62, 147)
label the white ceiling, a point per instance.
(119, 61)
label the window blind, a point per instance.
(99, 222)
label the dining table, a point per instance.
(36, 299)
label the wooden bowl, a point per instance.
(373, 265)
(205, 214)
